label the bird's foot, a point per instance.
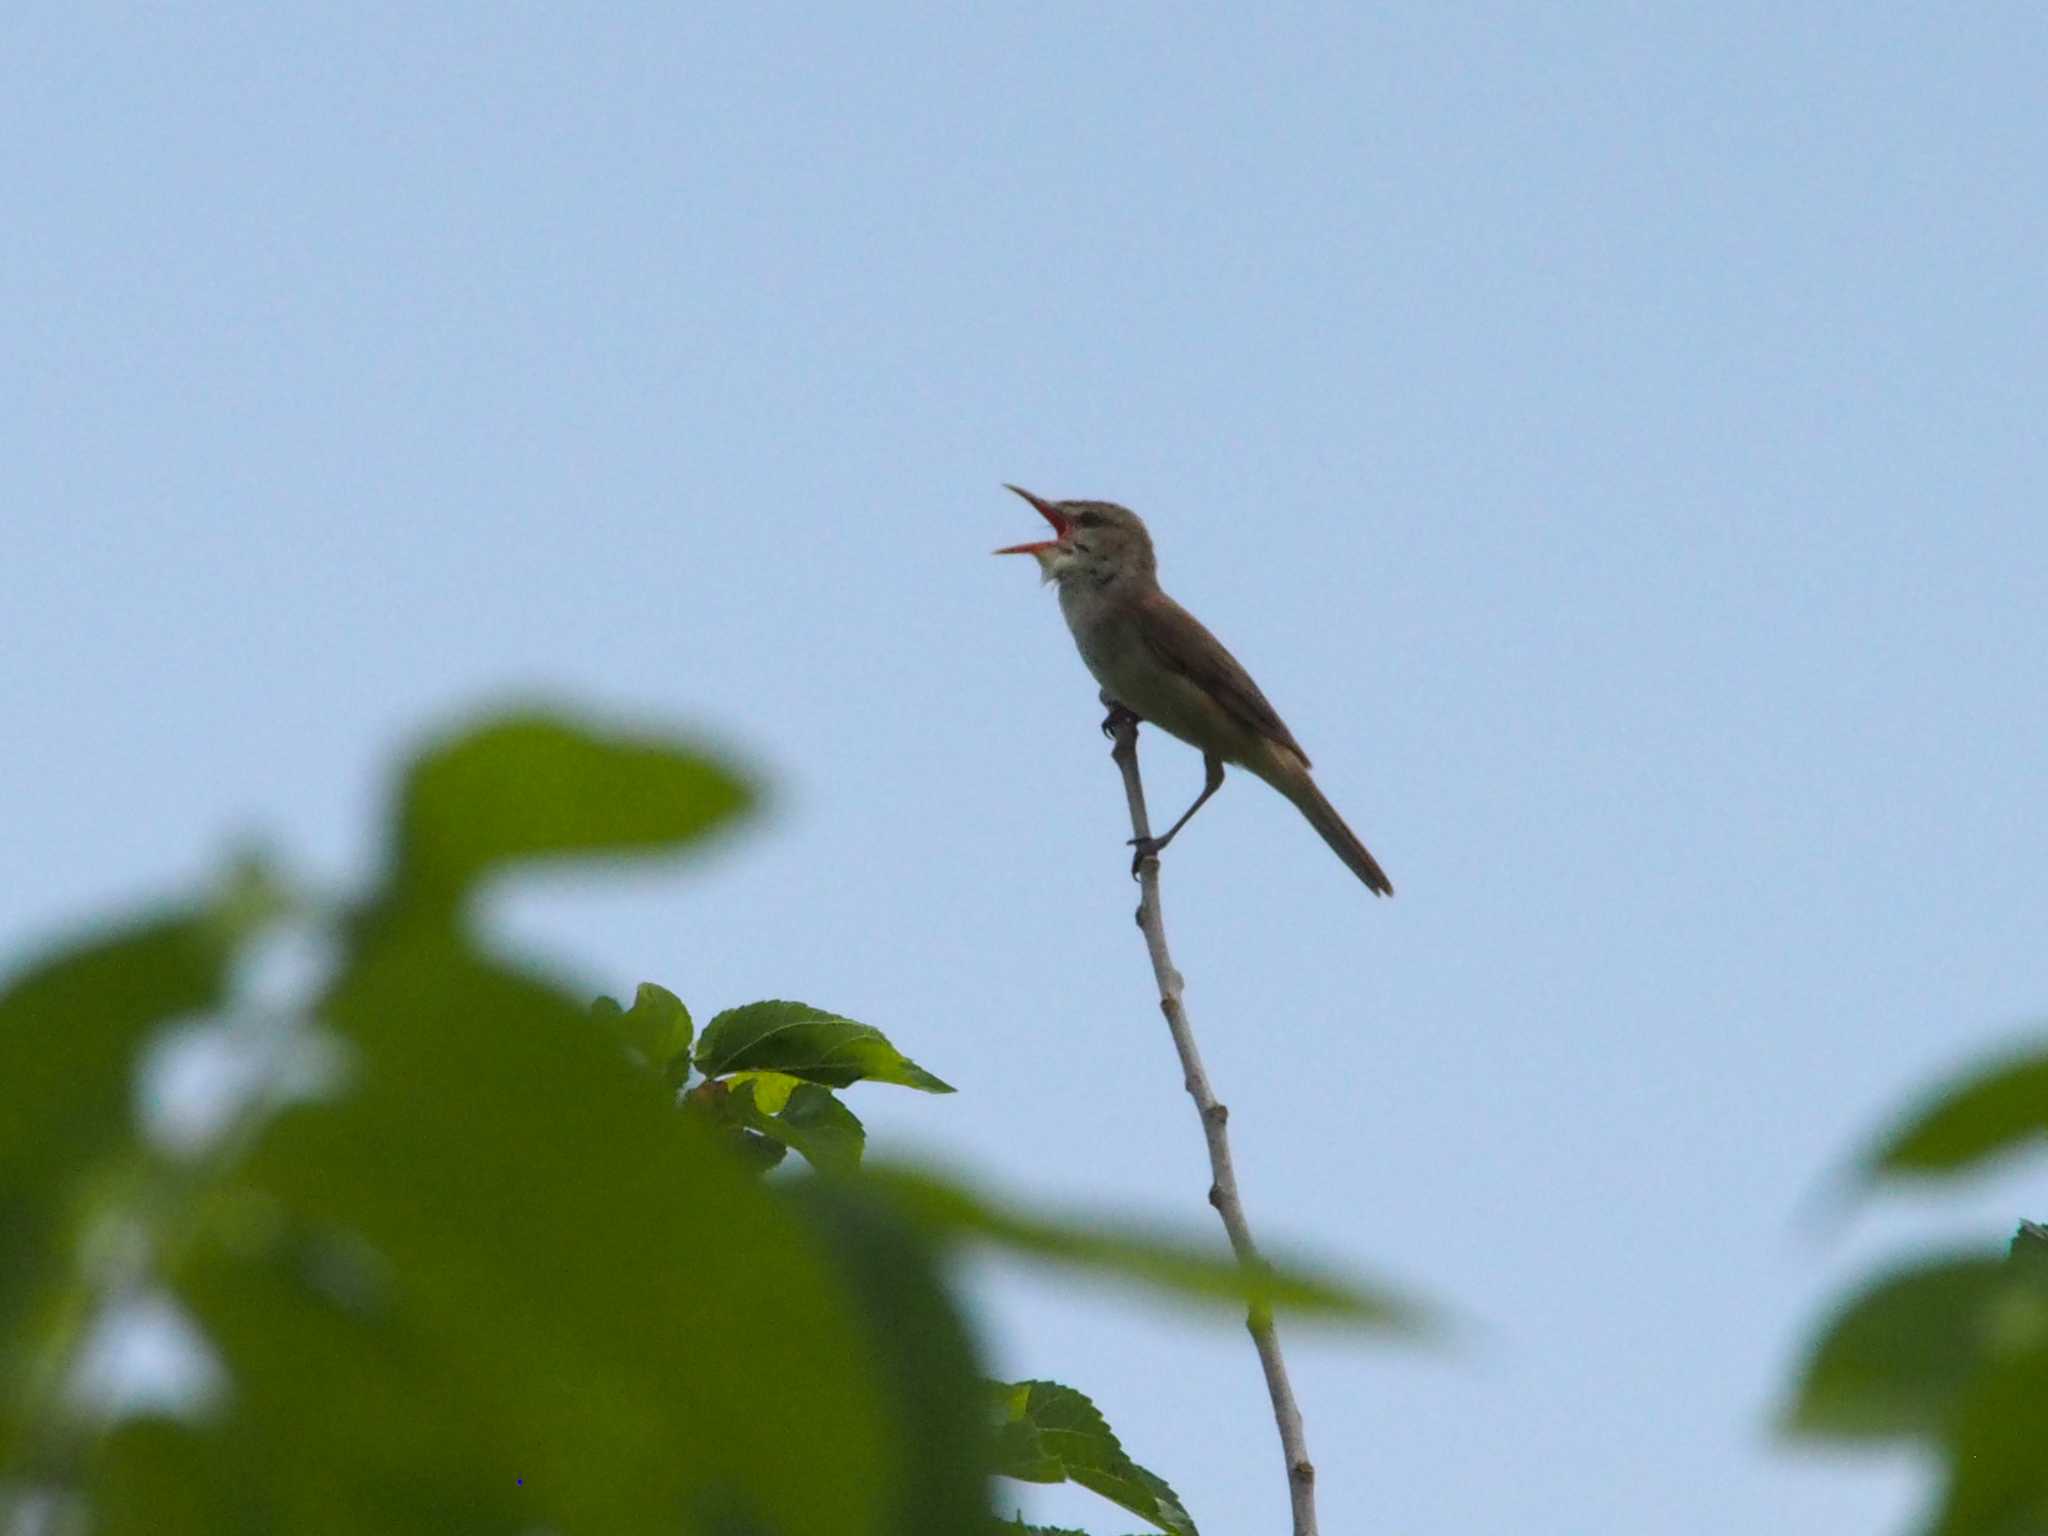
(1143, 848)
(1118, 717)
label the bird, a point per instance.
(1157, 661)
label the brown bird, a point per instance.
(1155, 659)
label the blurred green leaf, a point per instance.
(501, 1285)
(1951, 1352)
(928, 1370)
(1992, 1111)
(538, 786)
(1047, 1433)
(806, 1042)
(163, 1477)
(812, 1122)
(71, 1026)
(1998, 1452)
(1116, 1246)
(71, 1023)
(1900, 1357)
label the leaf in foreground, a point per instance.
(72, 1024)
(500, 1282)
(1180, 1266)
(1993, 1111)
(1902, 1358)
(533, 785)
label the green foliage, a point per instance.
(534, 786)
(2029, 1244)
(496, 1281)
(1047, 1433)
(808, 1043)
(766, 1111)
(69, 1029)
(656, 1029)
(811, 1122)
(71, 1026)
(1902, 1358)
(1177, 1266)
(1951, 1353)
(925, 1369)
(516, 1267)
(1991, 1112)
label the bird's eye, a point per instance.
(1088, 519)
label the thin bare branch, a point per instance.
(1301, 1473)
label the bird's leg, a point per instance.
(1119, 715)
(1149, 847)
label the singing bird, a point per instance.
(1156, 660)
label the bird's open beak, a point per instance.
(1046, 510)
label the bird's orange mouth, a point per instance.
(1061, 525)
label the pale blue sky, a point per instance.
(1612, 434)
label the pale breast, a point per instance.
(1128, 669)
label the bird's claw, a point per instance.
(1118, 717)
(1143, 848)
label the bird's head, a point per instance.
(1092, 540)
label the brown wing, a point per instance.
(1182, 643)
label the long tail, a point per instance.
(1301, 789)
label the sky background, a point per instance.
(1612, 435)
